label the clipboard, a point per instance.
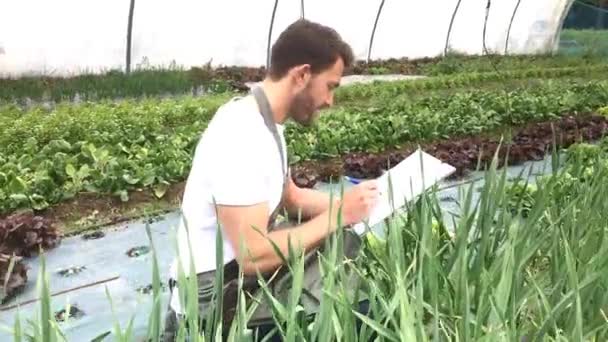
(403, 183)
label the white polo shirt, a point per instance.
(236, 162)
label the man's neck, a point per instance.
(279, 99)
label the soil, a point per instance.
(94, 235)
(71, 271)
(530, 142)
(137, 251)
(149, 289)
(88, 211)
(74, 313)
(402, 66)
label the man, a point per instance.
(239, 180)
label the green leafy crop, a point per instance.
(50, 155)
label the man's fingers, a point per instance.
(375, 200)
(369, 185)
(373, 193)
(371, 200)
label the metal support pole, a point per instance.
(371, 39)
(129, 36)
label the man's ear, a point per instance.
(302, 75)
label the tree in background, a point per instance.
(587, 14)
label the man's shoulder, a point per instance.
(243, 103)
(237, 124)
(240, 114)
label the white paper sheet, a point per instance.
(410, 178)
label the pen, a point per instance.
(352, 180)
(356, 181)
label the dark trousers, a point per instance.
(206, 283)
(264, 330)
(258, 331)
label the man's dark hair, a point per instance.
(306, 42)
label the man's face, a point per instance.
(317, 94)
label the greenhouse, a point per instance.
(116, 179)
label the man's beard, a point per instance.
(302, 109)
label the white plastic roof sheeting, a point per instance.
(70, 36)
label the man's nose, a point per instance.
(330, 100)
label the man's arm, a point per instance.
(308, 202)
(258, 254)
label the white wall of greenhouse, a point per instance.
(64, 37)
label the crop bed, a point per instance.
(155, 82)
(531, 142)
(357, 93)
(48, 156)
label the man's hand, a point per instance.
(358, 202)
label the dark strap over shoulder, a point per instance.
(266, 111)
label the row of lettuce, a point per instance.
(47, 156)
(582, 163)
(469, 80)
(151, 81)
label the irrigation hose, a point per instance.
(96, 226)
(6, 308)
